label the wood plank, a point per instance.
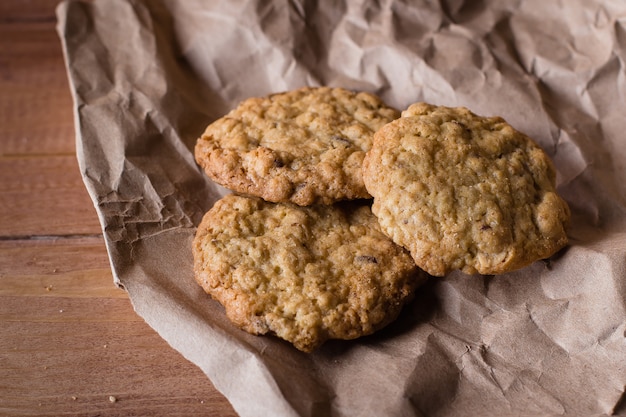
(57, 267)
(67, 352)
(69, 339)
(44, 196)
(27, 10)
(35, 103)
(54, 363)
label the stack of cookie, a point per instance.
(341, 205)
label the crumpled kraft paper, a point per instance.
(147, 77)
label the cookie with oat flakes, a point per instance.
(465, 192)
(303, 146)
(305, 274)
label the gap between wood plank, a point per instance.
(46, 238)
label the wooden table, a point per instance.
(70, 342)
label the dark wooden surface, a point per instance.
(70, 342)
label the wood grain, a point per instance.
(44, 195)
(35, 104)
(70, 341)
(56, 268)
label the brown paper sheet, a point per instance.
(147, 77)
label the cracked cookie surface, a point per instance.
(465, 192)
(305, 274)
(303, 146)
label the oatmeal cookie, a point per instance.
(303, 146)
(305, 274)
(465, 192)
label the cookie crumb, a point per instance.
(112, 399)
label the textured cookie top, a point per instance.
(305, 274)
(464, 192)
(304, 146)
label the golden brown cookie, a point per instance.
(305, 274)
(303, 146)
(461, 191)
